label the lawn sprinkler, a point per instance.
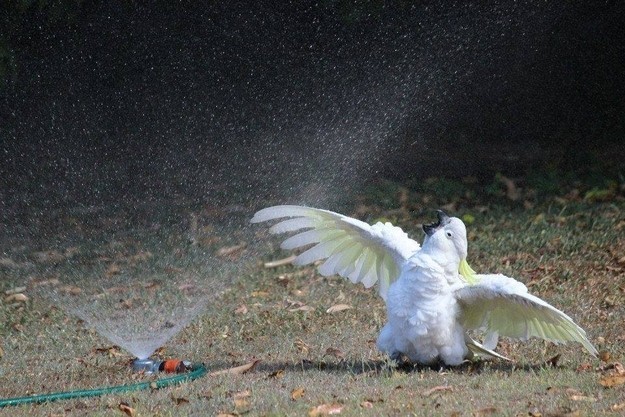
(170, 366)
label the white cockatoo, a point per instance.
(432, 295)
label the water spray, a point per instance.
(184, 371)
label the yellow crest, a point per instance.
(467, 272)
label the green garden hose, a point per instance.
(196, 372)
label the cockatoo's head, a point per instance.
(448, 237)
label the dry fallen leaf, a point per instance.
(577, 395)
(618, 407)
(242, 309)
(186, 287)
(610, 301)
(19, 297)
(129, 303)
(140, 256)
(128, 410)
(113, 269)
(51, 282)
(337, 353)
(486, 411)
(207, 395)
(297, 393)
(325, 410)
(582, 398)
(8, 263)
(612, 381)
(280, 262)
(259, 294)
(117, 290)
(233, 251)
(111, 351)
(71, 289)
(439, 388)
(241, 404)
(604, 356)
(241, 401)
(572, 391)
(277, 374)
(302, 346)
(179, 400)
(241, 394)
(237, 370)
(51, 256)
(338, 307)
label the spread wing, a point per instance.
(502, 306)
(351, 248)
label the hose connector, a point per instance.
(171, 366)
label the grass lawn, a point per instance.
(567, 245)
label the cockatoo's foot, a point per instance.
(401, 361)
(466, 366)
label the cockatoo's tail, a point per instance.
(467, 272)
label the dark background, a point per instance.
(117, 100)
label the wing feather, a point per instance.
(502, 305)
(351, 248)
(291, 225)
(309, 237)
(347, 265)
(360, 262)
(340, 260)
(321, 250)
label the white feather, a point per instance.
(502, 305)
(352, 248)
(291, 225)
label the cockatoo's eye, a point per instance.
(449, 234)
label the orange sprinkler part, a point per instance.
(173, 366)
(170, 366)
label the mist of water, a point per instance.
(141, 315)
(298, 108)
(139, 286)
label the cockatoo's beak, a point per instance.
(443, 219)
(467, 272)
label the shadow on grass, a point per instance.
(382, 368)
